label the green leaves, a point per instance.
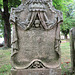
(68, 9)
(58, 4)
(1, 3)
(13, 3)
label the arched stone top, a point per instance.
(23, 1)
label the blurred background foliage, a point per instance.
(68, 9)
(11, 3)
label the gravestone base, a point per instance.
(36, 72)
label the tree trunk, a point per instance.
(65, 36)
(7, 34)
(7, 26)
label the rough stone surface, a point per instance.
(36, 72)
(36, 35)
(72, 43)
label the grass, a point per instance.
(5, 61)
(65, 59)
(65, 51)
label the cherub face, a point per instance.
(37, 23)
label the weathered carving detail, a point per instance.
(31, 15)
(35, 64)
(36, 8)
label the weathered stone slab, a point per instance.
(36, 37)
(36, 72)
(72, 43)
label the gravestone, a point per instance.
(36, 38)
(72, 44)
